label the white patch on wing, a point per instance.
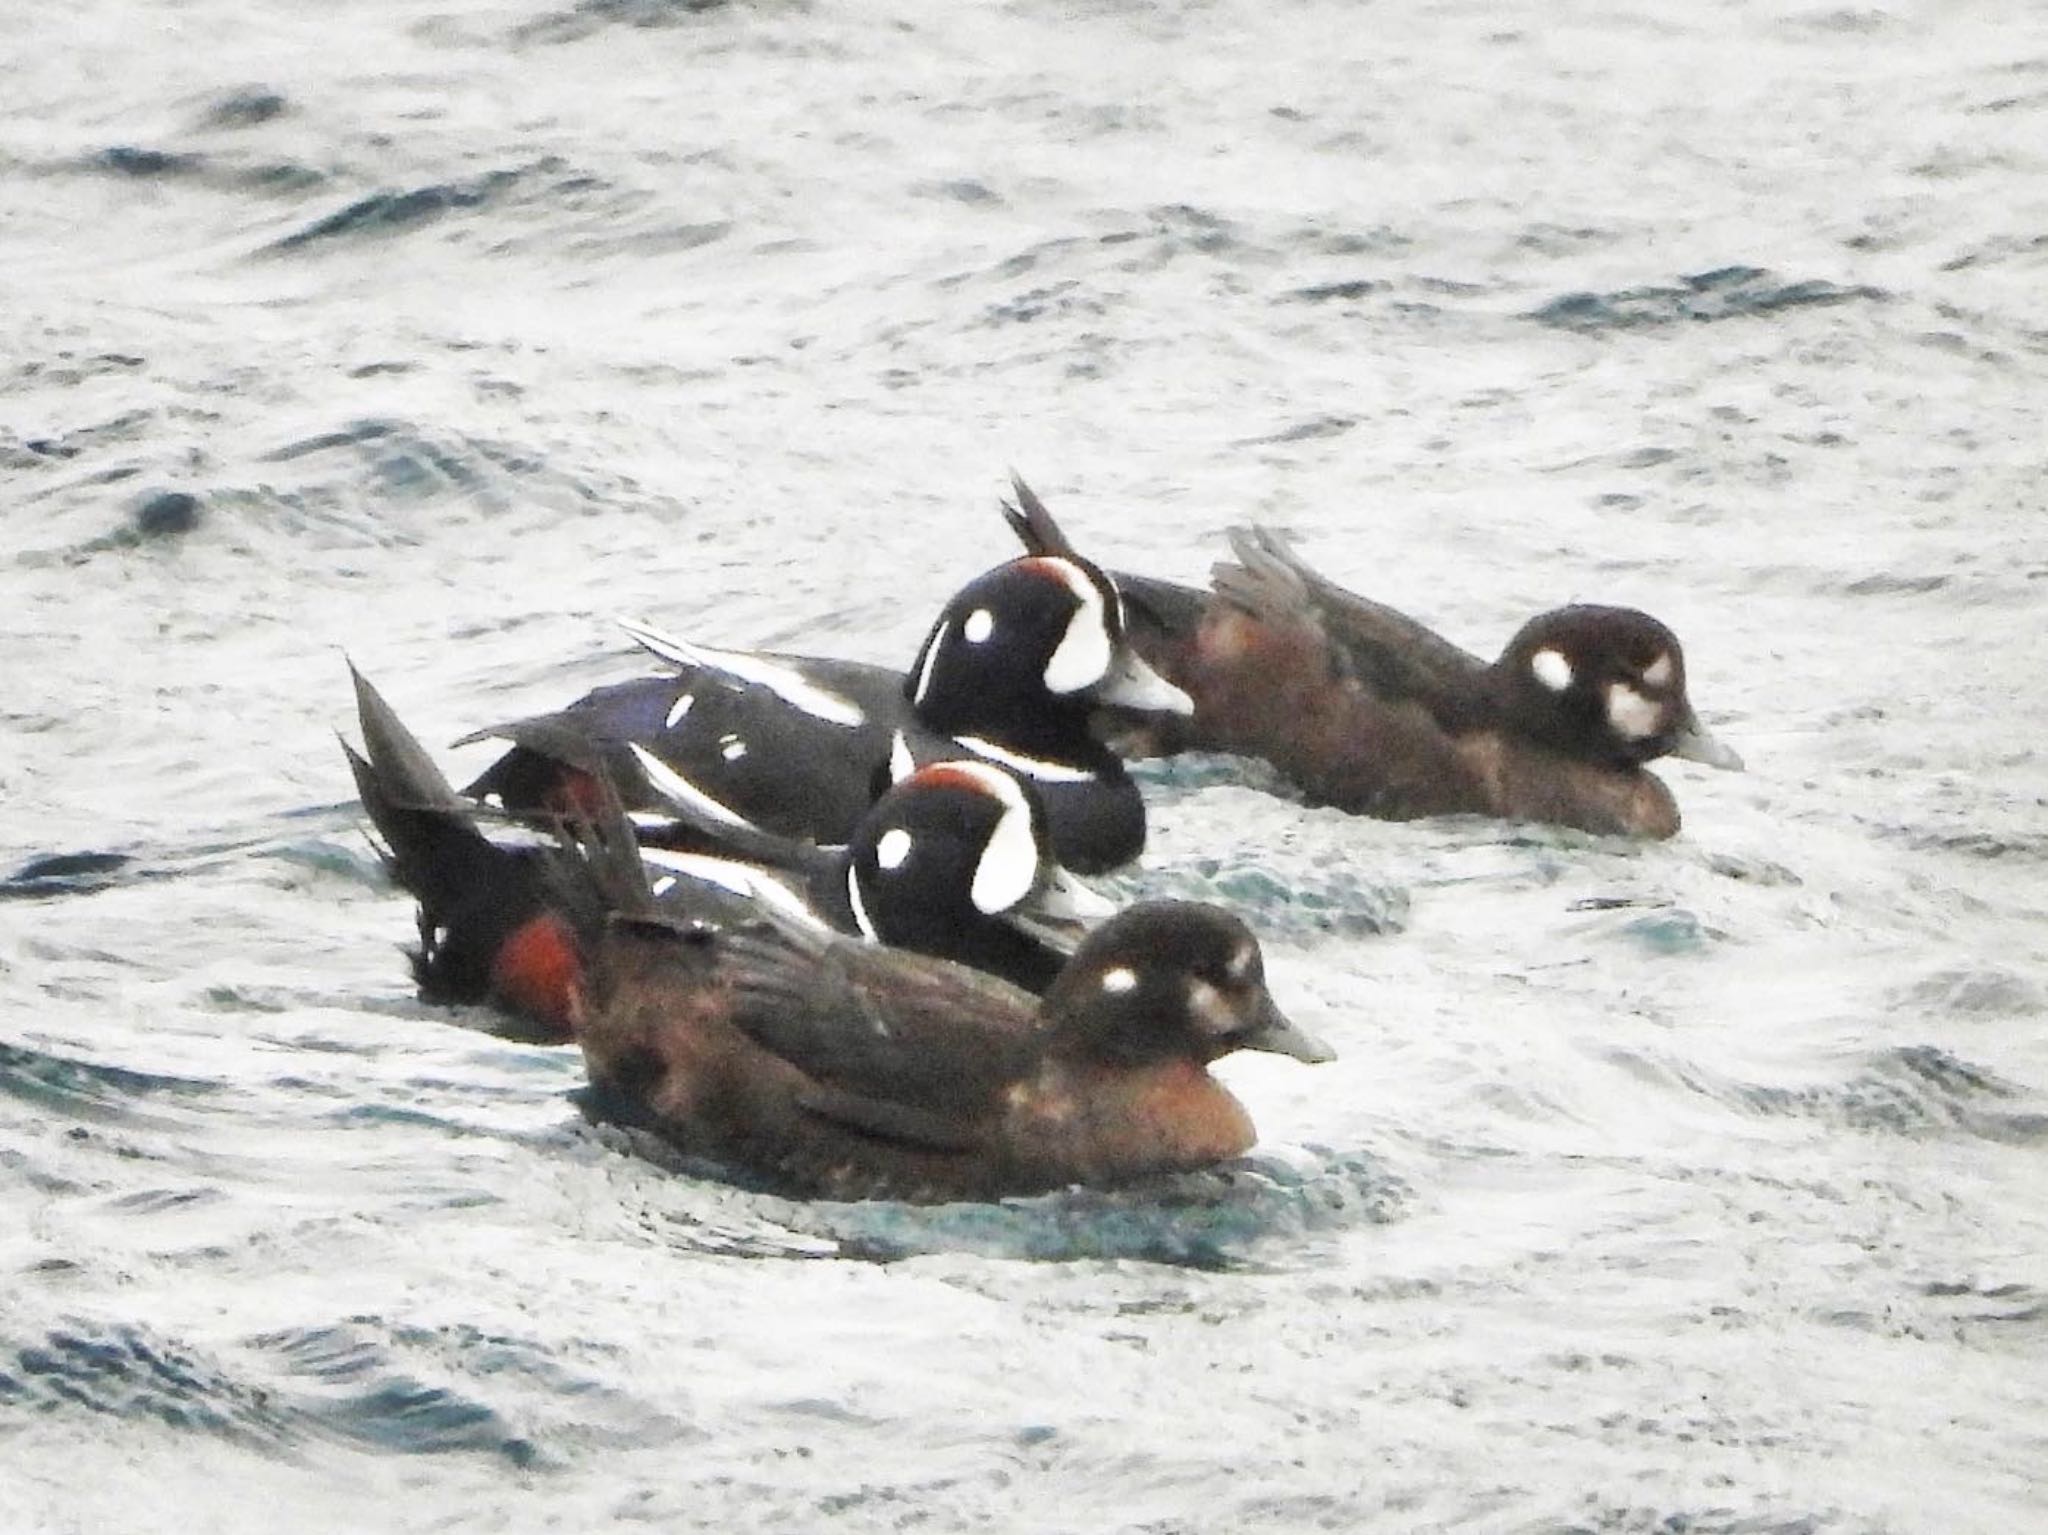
(1030, 767)
(785, 682)
(1633, 716)
(680, 792)
(1658, 673)
(931, 661)
(893, 848)
(981, 623)
(1551, 669)
(678, 709)
(740, 879)
(1120, 980)
(1084, 652)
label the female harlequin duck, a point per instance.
(1011, 673)
(1367, 710)
(952, 861)
(843, 1071)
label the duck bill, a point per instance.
(1061, 911)
(1132, 684)
(1694, 743)
(1277, 1034)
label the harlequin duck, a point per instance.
(1010, 672)
(836, 1070)
(1368, 710)
(952, 861)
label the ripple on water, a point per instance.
(1226, 1217)
(1731, 292)
(1912, 1090)
(81, 1089)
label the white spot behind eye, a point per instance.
(1658, 672)
(1084, 653)
(1120, 980)
(1633, 716)
(1551, 669)
(981, 623)
(677, 710)
(893, 848)
(1241, 962)
(732, 748)
(665, 884)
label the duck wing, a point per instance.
(1368, 642)
(894, 1044)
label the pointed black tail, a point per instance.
(496, 923)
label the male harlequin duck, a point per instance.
(843, 1071)
(1367, 710)
(954, 861)
(1010, 672)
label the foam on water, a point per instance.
(1690, 1187)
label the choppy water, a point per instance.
(1690, 1188)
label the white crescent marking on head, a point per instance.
(1551, 669)
(1084, 652)
(680, 708)
(1012, 863)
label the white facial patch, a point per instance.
(893, 848)
(1084, 653)
(981, 623)
(1658, 673)
(732, 748)
(1551, 669)
(1211, 1013)
(1030, 767)
(1633, 716)
(931, 661)
(1120, 980)
(684, 795)
(786, 683)
(678, 709)
(1241, 962)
